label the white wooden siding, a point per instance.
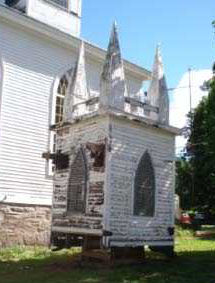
(31, 66)
(52, 15)
(129, 142)
(1, 85)
(76, 6)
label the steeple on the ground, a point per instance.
(113, 87)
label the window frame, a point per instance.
(54, 3)
(52, 111)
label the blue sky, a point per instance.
(183, 27)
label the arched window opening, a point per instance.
(76, 197)
(144, 187)
(61, 92)
(57, 112)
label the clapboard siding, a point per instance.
(112, 199)
(79, 135)
(50, 14)
(31, 65)
(128, 142)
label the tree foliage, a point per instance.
(195, 182)
(183, 183)
(196, 172)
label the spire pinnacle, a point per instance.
(113, 86)
(158, 56)
(77, 90)
(158, 49)
(158, 92)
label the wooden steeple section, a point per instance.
(77, 91)
(158, 92)
(114, 190)
(113, 87)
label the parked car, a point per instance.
(185, 218)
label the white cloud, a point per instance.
(180, 102)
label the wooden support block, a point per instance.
(96, 256)
(125, 255)
(166, 250)
(91, 243)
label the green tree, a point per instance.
(195, 181)
(183, 183)
(201, 153)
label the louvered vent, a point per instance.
(77, 184)
(144, 187)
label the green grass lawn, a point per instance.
(195, 263)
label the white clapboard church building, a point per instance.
(42, 61)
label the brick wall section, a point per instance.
(24, 225)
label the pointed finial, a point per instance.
(158, 47)
(77, 90)
(80, 85)
(158, 93)
(114, 38)
(113, 87)
(115, 24)
(115, 27)
(158, 56)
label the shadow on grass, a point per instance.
(187, 267)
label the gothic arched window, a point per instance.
(144, 187)
(57, 111)
(60, 96)
(77, 187)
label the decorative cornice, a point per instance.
(113, 112)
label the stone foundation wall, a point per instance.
(24, 225)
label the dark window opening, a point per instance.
(97, 153)
(61, 92)
(61, 3)
(144, 187)
(77, 184)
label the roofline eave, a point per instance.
(12, 16)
